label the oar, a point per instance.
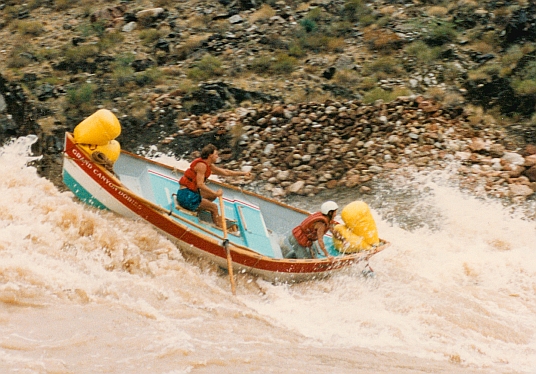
(226, 246)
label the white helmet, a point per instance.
(328, 206)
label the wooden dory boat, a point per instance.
(144, 189)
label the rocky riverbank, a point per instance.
(305, 148)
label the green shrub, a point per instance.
(149, 36)
(284, 64)
(529, 71)
(81, 97)
(10, 13)
(441, 33)
(319, 42)
(368, 83)
(89, 29)
(376, 94)
(387, 96)
(50, 80)
(79, 54)
(48, 54)
(423, 52)
(485, 72)
(261, 64)
(386, 65)
(208, 67)
(512, 55)
(275, 41)
(340, 28)
(122, 75)
(524, 87)
(367, 19)
(149, 77)
(109, 39)
(280, 64)
(308, 25)
(315, 14)
(124, 59)
(296, 50)
(354, 9)
(99, 28)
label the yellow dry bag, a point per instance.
(359, 232)
(98, 129)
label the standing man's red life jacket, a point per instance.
(189, 179)
(305, 233)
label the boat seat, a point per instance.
(178, 207)
(206, 216)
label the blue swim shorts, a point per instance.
(188, 199)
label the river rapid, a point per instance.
(86, 291)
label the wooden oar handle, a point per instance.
(226, 246)
(223, 221)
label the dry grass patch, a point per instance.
(47, 124)
(302, 7)
(301, 95)
(481, 47)
(467, 3)
(386, 96)
(221, 26)
(199, 22)
(387, 10)
(479, 75)
(310, 69)
(190, 45)
(19, 57)
(451, 100)
(381, 40)
(65, 4)
(437, 11)
(32, 28)
(435, 93)
(335, 45)
(263, 13)
(476, 114)
(347, 78)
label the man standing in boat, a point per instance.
(301, 242)
(194, 194)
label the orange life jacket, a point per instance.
(305, 233)
(189, 179)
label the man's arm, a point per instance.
(320, 231)
(229, 173)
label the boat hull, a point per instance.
(96, 186)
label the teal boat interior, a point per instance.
(252, 222)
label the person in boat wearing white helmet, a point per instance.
(300, 243)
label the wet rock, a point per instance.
(520, 190)
(531, 173)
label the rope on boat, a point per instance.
(101, 159)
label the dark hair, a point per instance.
(207, 151)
